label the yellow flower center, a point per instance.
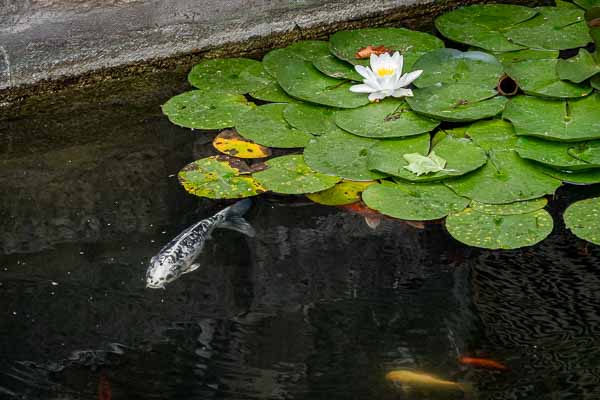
(385, 72)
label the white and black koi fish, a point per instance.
(177, 257)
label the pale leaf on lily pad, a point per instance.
(420, 164)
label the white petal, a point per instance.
(399, 60)
(375, 62)
(407, 79)
(373, 83)
(368, 74)
(365, 72)
(376, 96)
(362, 88)
(386, 58)
(388, 82)
(402, 93)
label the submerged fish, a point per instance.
(372, 217)
(104, 391)
(177, 257)
(483, 363)
(411, 379)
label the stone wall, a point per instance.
(50, 39)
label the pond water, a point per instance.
(317, 306)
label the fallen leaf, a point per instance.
(366, 52)
(420, 164)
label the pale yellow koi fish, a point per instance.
(424, 381)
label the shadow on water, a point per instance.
(317, 306)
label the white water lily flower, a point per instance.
(384, 78)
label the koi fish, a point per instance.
(411, 379)
(104, 392)
(366, 52)
(372, 217)
(177, 257)
(483, 363)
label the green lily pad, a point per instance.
(347, 192)
(579, 68)
(413, 201)
(554, 154)
(266, 125)
(444, 66)
(595, 82)
(495, 134)
(457, 102)
(511, 57)
(539, 78)
(386, 119)
(309, 118)
(461, 155)
(200, 110)
(336, 68)
(290, 175)
(553, 28)
(581, 177)
(341, 154)
(386, 155)
(219, 177)
(411, 44)
(301, 80)
(519, 207)
(588, 152)
(229, 75)
(567, 4)
(499, 231)
(307, 50)
(273, 93)
(567, 120)
(484, 25)
(457, 132)
(587, 4)
(583, 219)
(506, 178)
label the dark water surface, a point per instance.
(317, 306)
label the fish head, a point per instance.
(162, 270)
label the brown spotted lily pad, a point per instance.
(219, 177)
(231, 143)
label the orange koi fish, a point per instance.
(104, 392)
(483, 363)
(372, 217)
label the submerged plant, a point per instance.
(449, 147)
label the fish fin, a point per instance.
(239, 208)
(192, 268)
(239, 224)
(373, 222)
(406, 389)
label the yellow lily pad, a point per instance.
(231, 143)
(346, 192)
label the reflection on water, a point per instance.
(317, 306)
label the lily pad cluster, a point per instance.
(460, 149)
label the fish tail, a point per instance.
(234, 220)
(467, 388)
